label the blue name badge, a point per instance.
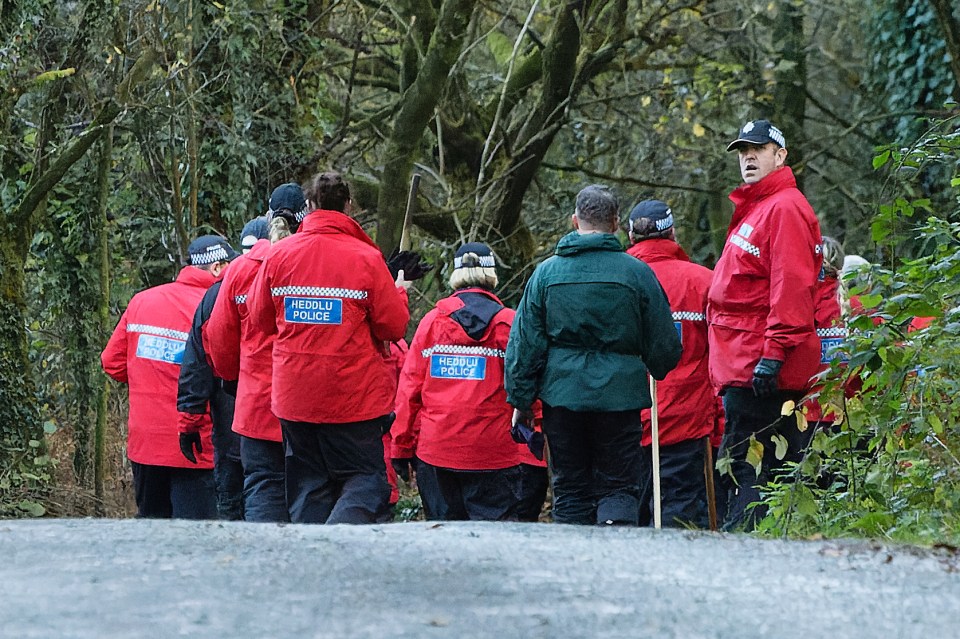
(458, 366)
(160, 349)
(679, 327)
(313, 310)
(830, 350)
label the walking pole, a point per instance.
(655, 431)
(711, 490)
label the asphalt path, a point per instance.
(142, 578)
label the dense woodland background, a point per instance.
(128, 127)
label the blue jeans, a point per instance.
(683, 488)
(264, 486)
(335, 473)
(595, 459)
(165, 492)
(227, 468)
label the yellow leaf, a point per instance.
(689, 103)
(645, 101)
(801, 422)
(788, 407)
(698, 130)
(755, 454)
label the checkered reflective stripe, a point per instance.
(666, 222)
(486, 261)
(818, 249)
(690, 316)
(836, 331)
(319, 291)
(456, 349)
(157, 330)
(736, 240)
(213, 254)
(240, 299)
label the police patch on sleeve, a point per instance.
(831, 348)
(312, 310)
(160, 349)
(458, 366)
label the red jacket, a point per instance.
(239, 350)
(686, 401)
(761, 302)
(454, 384)
(327, 294)
(145, 351)
(831, 331)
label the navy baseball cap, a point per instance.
(659, 214)
(288, 197)
(474, 255)
(208, 249)
(758, 132)
(255, 229)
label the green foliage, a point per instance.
(892, 469)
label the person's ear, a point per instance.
(575, 221)
(218, 268)
(781, 157)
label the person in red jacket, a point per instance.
(685, 398)
(451, 387)
(329, 298)
(145, 352)
(760, 313)
(831, 330)
(239, 350)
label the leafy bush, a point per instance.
(892, 468)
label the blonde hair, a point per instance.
(467, 276)
(279, 228)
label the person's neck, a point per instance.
(590, 231)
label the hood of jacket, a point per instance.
(574, 243)
(473, 309)
(658, 250)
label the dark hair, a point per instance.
(597, 205)
(646, 229)
(328, 191)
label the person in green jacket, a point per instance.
(592, 323)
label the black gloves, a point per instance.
(189, 441)
(765, 377)
(402, 467)
(408, 262)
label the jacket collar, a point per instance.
(745, 196)
(193, 276)
(259, 250)
(323, 221)
(573, 243)
(658, 250)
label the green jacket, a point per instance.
(592, 321)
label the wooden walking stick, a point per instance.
(408, 214)
(655, 432)
(708, 478)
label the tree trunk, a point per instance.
(951, 35)
(790, 94)
(103, 314)
(416, 111)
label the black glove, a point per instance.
(402, 467)
(387, 422)
(408, 262)
(189, 441)
(765, 377)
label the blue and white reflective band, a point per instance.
(831, 344)
(213, 254)
(834, 331)
(159, 344)
(297, 215)
(240, 299)
(319, 291)
(486, 261)
(158, 330)
(736, 240)
(690, 316)
(457, 349)
(776, 135)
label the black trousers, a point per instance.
(165, 492)
(264, 481)
(746, 415)
(595, 463)
(480, 495)
(431, 499)
(533, 491)
(227, 467)
(335, 473)
(683, 489)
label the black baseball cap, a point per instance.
(758, 132)
(656, 211)
(208, 249)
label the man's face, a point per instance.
(759, 161)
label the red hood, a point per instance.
(658, 251)
(193, 276)
(323, 221)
